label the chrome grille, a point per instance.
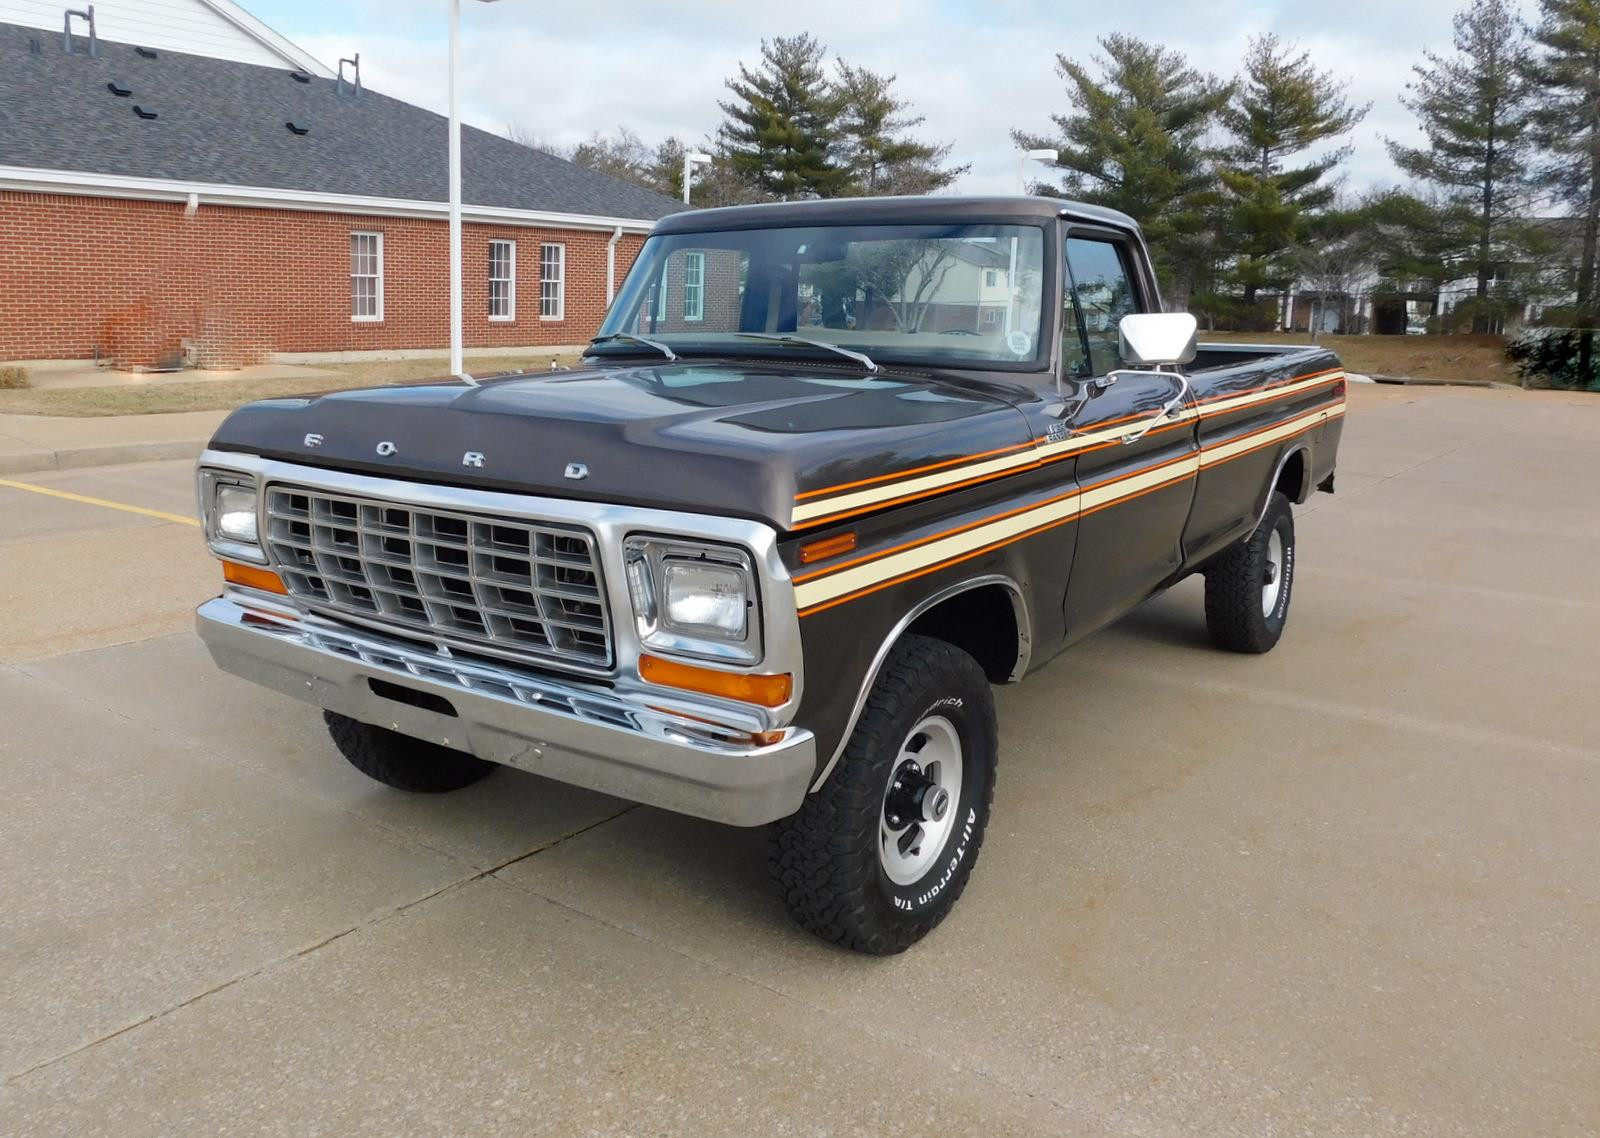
(516, 587)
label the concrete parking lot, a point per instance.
(1352, 887)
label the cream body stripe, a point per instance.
(821, 590)
(844, 503)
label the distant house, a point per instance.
(178, 183)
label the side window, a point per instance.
(1101, 294)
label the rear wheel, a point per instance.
(403, 762)
(877, 857)
(1248, 585)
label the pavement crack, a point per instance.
(843, 1019)
(316, 946)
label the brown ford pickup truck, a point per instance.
(830, 470)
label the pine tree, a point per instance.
(779, 128)
(1281, 108)
(1135, 140)
(873, 143)
(1473, 107)
(1565, 69)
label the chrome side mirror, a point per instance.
(1158, 339)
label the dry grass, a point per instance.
(14, 378)
(226, 394)
(1417, 357)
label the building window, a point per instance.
(366, 276)
(694, 286)
(991, 278)
(502, 280)
(552, 282)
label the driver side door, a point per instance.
(1135, 493)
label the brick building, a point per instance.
(234, 200)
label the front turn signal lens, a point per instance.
(254, 578)
(824, 548)
(764, 691)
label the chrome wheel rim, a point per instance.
(920, 800)
(1273, 585)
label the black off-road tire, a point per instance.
(403, 762)
(825, 857)
(1236, 584)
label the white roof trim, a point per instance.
(30, 180)
(265, 36)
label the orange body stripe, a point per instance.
(878, 586)
(809, 494)
(1027, 467)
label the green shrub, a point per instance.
(1558, 357)
(14, 377)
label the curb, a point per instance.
(1414, 381)
(110, 454)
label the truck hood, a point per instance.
(709, 437)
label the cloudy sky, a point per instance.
(974, 68)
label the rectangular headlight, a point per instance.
(236, 512)
(694, 599)
(706, 598)
(229, 504)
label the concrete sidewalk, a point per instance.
(40, 442)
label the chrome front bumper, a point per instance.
(576, 732)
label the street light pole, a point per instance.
(691, 159)
(456, 365)
(1022, 165)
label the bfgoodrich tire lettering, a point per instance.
(1248, 585)
(827, 858)
(403, 762)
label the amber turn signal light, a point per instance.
(827, 547)
(252, 577)
(765, 691)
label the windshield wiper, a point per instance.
(632, 339)
(785, 338)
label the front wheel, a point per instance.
(403, 762)
(878, 856)
(1249, 584)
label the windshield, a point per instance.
(956, 295)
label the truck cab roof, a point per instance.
(1015, 209)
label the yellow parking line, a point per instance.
(161, 515)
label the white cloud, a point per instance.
(975, 70)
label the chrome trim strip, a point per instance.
(611, 525)
(1019, 608)
(1298, 447)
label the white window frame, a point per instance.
(560, 279)
(991, 278)
(694, 289)
(509, 280)
(375, 317)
